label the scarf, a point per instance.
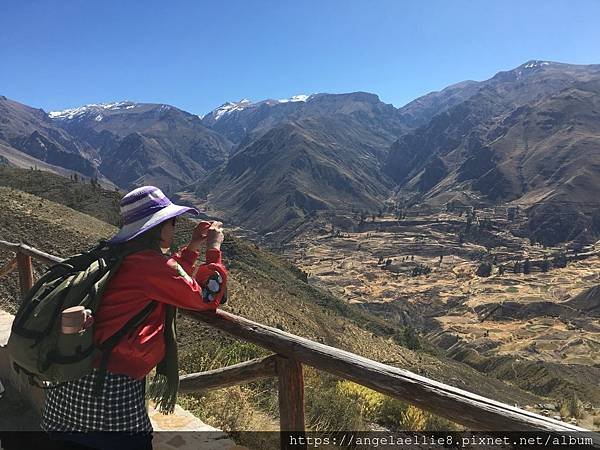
(165, 383)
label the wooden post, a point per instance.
(25, 273)
(291, 403)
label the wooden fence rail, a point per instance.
(291, 352)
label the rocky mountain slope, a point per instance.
(294, 170)
(31, 132)
(524, 137)
(245, 121)
(142, 143)
(459, 128)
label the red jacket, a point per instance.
(146, 276)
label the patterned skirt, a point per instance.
(72, 407)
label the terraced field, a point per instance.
(498, 324)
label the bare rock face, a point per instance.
(246, 120)
(293, 170)
(30, 131)
(140, 143)
(525, 136)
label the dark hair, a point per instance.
(148, 240)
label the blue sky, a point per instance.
(198, 54)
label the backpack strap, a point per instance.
(109, 344)
(33, 378)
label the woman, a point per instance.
(87, 408)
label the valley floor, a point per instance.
(483, 321)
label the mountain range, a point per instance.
(527, 137)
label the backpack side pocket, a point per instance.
(72, 357)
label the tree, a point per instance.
(420, 269)
(511, 214)
(517, 267)
(572, 407)
(484, 270)
(411, 338)
(501, 269)
(527, 267)
(560, 260)
(485, 224)
(545, 266)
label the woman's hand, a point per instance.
(214, 236)
(209, 232)
(199, 235)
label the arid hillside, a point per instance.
(263, 287)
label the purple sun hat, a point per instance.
(142, 209)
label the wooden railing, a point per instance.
(291, 352)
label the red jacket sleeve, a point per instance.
(169, 282)
(186, 258)
(212, 276)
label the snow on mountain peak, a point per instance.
(95, 108)
(535, 63)
(295, 98)
(229, 107)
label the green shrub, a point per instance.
(390, 412)
(484, 270)
(369, 401)
(572, 407)
(328, 408)
(413, 419)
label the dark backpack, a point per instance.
(38, 349)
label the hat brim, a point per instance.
(131, 230)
